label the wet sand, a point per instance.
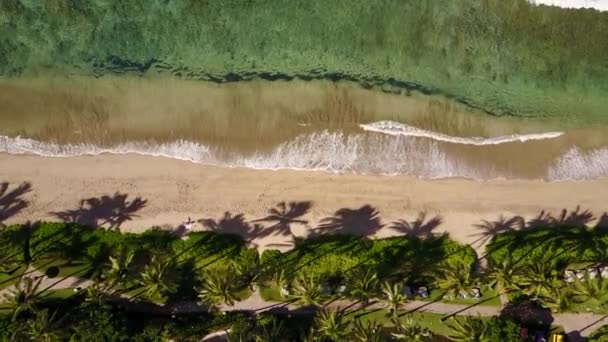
(176, 189)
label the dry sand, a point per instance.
(176, 189)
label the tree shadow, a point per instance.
(420, 228)
(11, 202)
(364, 221)
(105, 211)
(575, 218)
(284, 215)
(528, 313)
(236, 225)
(489, 229)
(602, 223)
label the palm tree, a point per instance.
(592, 292)
(504, 277)
(42, 328)
(242, 331)
(279, 278)
(248, 274)
(409, 330)
(24, 296)
(456, 279)
(557, 299)
(311, 336)
(364, 285)
(393, 297)
(156, 278)
(368, 332)
(219, 287)
(469, 329)
(331, 324)
(117, 274)
(537, 279)
(271, 332)
(306, 291)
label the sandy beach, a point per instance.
(176, 189)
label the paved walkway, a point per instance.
(573, 323)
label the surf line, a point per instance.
(396, 128)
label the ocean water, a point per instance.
(318, 126)
(600, 5)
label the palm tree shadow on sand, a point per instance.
(105, 211)
(12, 202)
(489, 229)
(236, 225)
(420, 228)
(363, 222)
(575, 218)
(285, 215)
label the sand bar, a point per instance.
(177, 189)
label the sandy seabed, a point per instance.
(175, 190)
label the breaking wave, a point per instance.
(396, 128)
(322, 151)
(336, 152)
(579, 165)
(181, 149)
(601, 5)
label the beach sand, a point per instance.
(177, 189)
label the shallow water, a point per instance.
(298, 125)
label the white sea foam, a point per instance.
(360, 153)
(181, 149)
(328, 151)
(580, 165)
(601, 5)
(324, 151)
(396, 128)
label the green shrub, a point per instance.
(211, 250)
(503, 329)
(561, 246)
(270, 256)
(600, 335)
(335, 256)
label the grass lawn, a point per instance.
(66, 268)
(271, 294)
(58, 294)
(7, 280)
(489, 297)
(243, 294)
(431, 321)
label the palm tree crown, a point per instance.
(117, 274)
(364, 285)
(469, 329)
(219, 288)
(537, 279)
(24, 296)
(366, 332)
(306, 290)
(331, 324)
(393, 297)
(156, 278)
(456, 279)
(408, 330)
(591, 292)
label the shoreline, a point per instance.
(176, 189)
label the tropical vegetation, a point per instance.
(558, 267)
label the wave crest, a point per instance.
(181, 149)
(322, 151)
(396, 128)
